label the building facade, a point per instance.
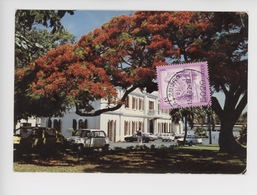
(141, 110)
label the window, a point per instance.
(57, 124)
(137, 103)
(134, 103)
(74, 124)
(133, 127)
(111, 130)
(49, 123)
(126, 128)
(83, 124)
(151, 105)
(141, 104)
(127, 102)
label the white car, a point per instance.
(152, 136)
(190, 140)
(88, 139)
(167, 137)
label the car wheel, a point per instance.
(80, 150)
(105, 148)
(58, 149)
(190, 143)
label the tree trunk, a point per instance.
(228, 117)
(227, 140)
(209, 129)
(185, 136)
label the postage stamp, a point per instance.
(183, 85)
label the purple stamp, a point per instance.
(183, 85)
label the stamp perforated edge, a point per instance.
(181, 65)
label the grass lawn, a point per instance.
(195, 159)
(212, 147)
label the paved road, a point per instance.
(158, 142)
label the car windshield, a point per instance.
(88, 133)
(98, 134)
(82, 133)
(24, 132)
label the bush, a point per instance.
(152, 147)
(118, 148)
(163, 147)
(201, 132)
(243, 135)
(130, 148)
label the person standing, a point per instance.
(139, 136)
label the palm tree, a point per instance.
(187, 115)
(210, 121)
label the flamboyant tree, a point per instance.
(125, 52)
(227, 58)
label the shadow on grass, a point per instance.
(167, 161)
(161, 160)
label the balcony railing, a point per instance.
(152, 112)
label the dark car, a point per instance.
(132, 138)
(38, 140)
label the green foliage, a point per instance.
(242, 119)
(32, 42)
(201, 131)
(243, 135)
(35, 43)
(118, 148)
(26, 19)
(152, 147)
(141, 40)
(130, 148)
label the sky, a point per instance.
(83, 22)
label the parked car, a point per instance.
(131, 138)
(38, 140)
(167, 137)
(177, 136)
(88, 140)
(190, 140)
(152, 136)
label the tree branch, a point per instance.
(241, 105)
(100, 111)
(224, 89)
(238, 92)
(123, 60)
(216, 107)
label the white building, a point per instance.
(140, 110)
(32, 121)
